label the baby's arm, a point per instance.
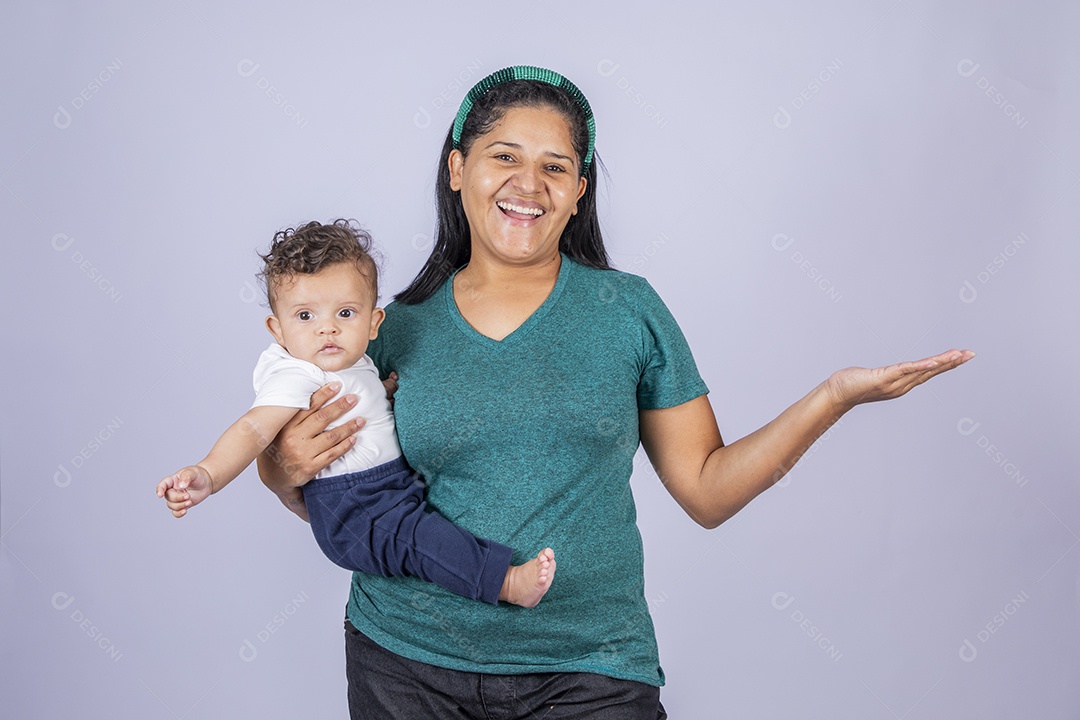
(234, 451)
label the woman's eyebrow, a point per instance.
(515, 146)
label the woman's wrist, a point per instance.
(294, 501)
(833, 397)
(275, 474)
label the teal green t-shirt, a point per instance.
(530, 441)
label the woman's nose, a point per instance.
(527, 178)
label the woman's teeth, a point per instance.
(523, 210)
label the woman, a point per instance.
(528, 373)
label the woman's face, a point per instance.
(519, 186)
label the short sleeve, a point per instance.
(283, 381)
(669, 375)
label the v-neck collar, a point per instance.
(521, 330)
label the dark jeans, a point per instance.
(383, 685)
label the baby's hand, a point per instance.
(391, 385)
(185, 488)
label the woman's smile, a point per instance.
(523, 210)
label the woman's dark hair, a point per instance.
(581, 239)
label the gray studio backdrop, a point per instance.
(808, 186)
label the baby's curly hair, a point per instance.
(309, 248)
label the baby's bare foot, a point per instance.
(525, 584)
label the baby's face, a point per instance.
(326, 318)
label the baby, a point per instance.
(366, 509)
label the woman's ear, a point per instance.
(454, 164)
(582, 184)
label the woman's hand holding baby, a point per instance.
(304, 446)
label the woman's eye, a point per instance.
(346, 313)
(504, 156)
(556, 168)
(304, 315)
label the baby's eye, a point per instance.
(304, 315)
(346, 313)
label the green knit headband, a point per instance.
(526, 72)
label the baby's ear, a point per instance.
(377, 317)
(274, 326)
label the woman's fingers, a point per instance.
(338, 449)
(945, 361)
(318, 398)
(922, 370)
(321, 396)
(341, 433)
(319, 416)
(918, 372)
(330, 444)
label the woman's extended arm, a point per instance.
(302, 448)
(713, 481)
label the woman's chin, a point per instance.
(522, 251)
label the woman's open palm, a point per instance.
(855, 385)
